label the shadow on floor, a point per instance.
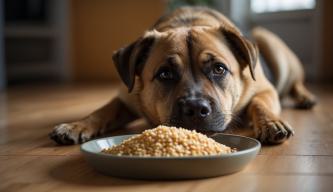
(75, 170)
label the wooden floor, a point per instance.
(29, 161)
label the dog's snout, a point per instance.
(195, 108)
(197, 112)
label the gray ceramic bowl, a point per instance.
(171, 167)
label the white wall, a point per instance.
(297, 29)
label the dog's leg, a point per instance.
(302, 97)
(264, 112)
(111, 116)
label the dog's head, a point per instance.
(189, 77)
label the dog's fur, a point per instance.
(196, 56)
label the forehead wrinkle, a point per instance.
(170, 46)
(176, 44)
(190, 43)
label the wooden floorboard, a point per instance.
(29, 161)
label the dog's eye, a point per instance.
(165, 74)
(219, 69)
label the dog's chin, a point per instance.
(204, 128)
(210, 130)
(207, 132)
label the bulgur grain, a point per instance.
(169, 141)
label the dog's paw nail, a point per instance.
(279, 136)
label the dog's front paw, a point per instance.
(71, 133)
(273, 131)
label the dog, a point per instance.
(194, 69)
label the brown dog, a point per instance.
(196, 70)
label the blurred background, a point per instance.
(71, 41)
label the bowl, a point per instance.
(190, 167)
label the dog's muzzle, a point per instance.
(197, 113)
(194, 109)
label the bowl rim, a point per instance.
(237, 153)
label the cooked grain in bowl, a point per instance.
(164, 141)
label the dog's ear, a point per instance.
(129, 61)
(245, 50)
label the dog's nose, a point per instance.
(195, 108)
